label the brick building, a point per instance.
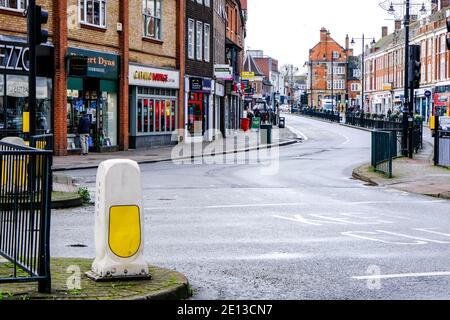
(199, 100)
(327, 73)
(384, 67)
(131, 88)
(234, 52)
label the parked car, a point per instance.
(285, 108)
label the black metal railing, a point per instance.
(324, 115)
(384, 150)
(25, 202)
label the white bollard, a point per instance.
(119, 220)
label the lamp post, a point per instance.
(403, 10)
(363, 57)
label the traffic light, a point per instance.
(40, 18)
(415, 66)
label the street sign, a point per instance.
(223, 71)
(248, 75)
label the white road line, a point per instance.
(412, 237)
(298, 133)
(293, 204)
(405, 275)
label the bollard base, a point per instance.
(97, 278)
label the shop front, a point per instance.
(198, 107)
(92, 88)
(233, 107)
(153, 106)
(14, 69)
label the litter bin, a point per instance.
(282, 123)
(245, 124)
(266, 134)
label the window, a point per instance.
(207, 3)
(156, 115)
(207, 36)
(151, 10)
(14, 4)
(191, 43)
(199, 40)
(93, 12)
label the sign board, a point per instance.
(427, 93)
(78, 66)
(17, 86)
(153, 77)
(100, 64)
(387, 87)
(200, 85)
(256, 123)
(248, 76)
(223, 71)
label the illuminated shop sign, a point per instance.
(153, 77)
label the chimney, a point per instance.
(323, 35)
(398, 24)
(384, 32)
(347, 42)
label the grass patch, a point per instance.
(84, 195)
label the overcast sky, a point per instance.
(287, 29)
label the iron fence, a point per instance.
(325, 115)
(25, 203)
(384, 150)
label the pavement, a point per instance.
(237, 142)
(304, 230)
(418, 175)
(164, 285)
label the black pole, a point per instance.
(411, 122)
(406, 83)
(363, 75)
(436, 140)
(31, 15)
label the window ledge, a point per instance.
(12, 12)
(92, 27)
(152, 40)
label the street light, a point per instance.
(363, 79)
(403, 10)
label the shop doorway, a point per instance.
(197, 114)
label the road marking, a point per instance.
(412, 237)
(364, 235)
(404, 275)
(342, 220)
(294, 204)
(298, 133)
(431, 230)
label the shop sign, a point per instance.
(427, 93)
(220, 90)
(152, 77)
(223, 71)
(14, 57)
(200, 85)
(440, 100)
(99, 64)
(17, 86)
(248, 76)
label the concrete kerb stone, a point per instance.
(161, 160)
(362, 173)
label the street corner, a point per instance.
(69, 282)
(366, 173)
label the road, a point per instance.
(307, 232)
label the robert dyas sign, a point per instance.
(153, 77)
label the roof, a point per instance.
(251, 66)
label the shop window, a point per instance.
(93, 12)
(155, 115)
(152, 18)
(14, 4)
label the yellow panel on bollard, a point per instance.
(124, 231)
(119, 240)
